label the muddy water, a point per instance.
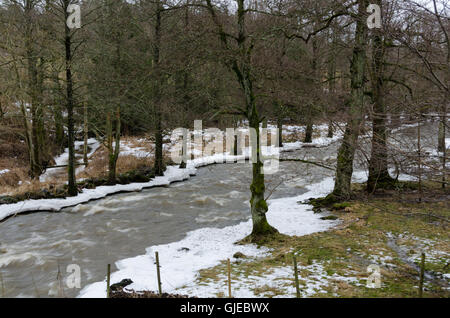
(34, 246)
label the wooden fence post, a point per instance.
(422, 274)
(108, 281)
(229, 278)
(158, 273)
(297, 288)
(3, 286)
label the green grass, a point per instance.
(359, 241)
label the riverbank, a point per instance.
(207, 247)
(388, 232)
(172, 174)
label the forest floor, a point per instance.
(389, 230)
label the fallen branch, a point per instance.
(309, 162)
(64, 166)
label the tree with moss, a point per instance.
(238, 59)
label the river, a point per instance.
(34, 247)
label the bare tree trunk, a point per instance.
(441, 133)
(309, 130)
(72, 189)
(444, 151)
(113, 151)
(280, 128)
(28, 140)
(331, 81)
(186, 97)
(419, 154)
(85, 132)
(159, 163)
(378, 164)
(58, 118)
(33, 90)
(316, 82)
(330, 133)
(346, 153)
(236, 150)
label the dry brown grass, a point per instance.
(98, 168)
(128, 163)
(13, 176)
(98, 164)
(31, 186)
(135, 142)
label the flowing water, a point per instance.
(34, 247)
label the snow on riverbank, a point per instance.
(173, 174)
(62, 159)
(276, 282)
(207, 247)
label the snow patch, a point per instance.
(209, 246)
(172, 174)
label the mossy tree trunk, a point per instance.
(242, 69)
(240, 65)
(258, 204)
(346, 153)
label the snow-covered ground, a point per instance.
(207, 247)
(62, 159)
(276, 282)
